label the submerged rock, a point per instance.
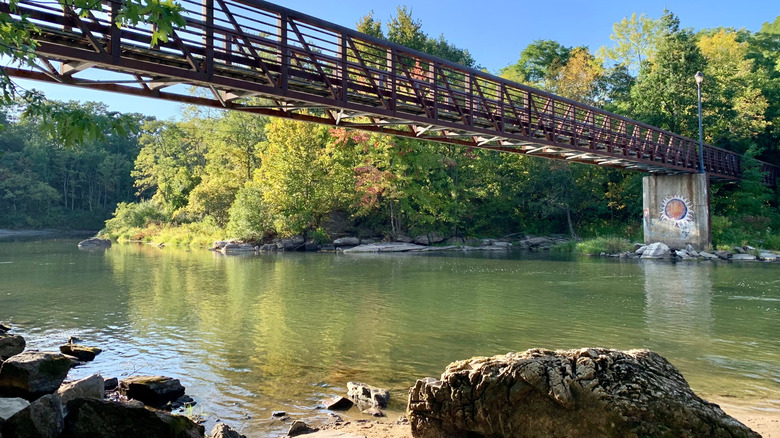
(575, 393)
(95, 243)
(82, 352)
(108, 419)
(366, 396)
(33, 374)
(152, 390)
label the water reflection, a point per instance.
(248, 335)
(678, 299)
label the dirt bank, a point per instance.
(766, 423)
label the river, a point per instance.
(248, 335)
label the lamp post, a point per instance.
(699, 79)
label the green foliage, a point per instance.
(249, 218)
(320, 236)
(46, 182)
(133, 215)
(538, 61)
(635, 40)
(665, 91)
(606, 245)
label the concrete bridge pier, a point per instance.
(676, 210)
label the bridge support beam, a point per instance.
(677, 210)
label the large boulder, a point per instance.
(33, 374)
(82, 352)
(656, 250)
(108, 419)
(346, 241)
(89, 387)
(10, 406)
(152, 390)
(10, 345)
(42, 419)
(367, 397)
(575, 393)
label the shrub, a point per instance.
(132, 215)
(608, 245)
(249, 218)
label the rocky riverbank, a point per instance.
(584, 392)
(421, 243)
(660, 251)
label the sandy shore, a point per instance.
(765, 423)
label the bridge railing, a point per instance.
(240, 48)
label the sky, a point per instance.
(493, 31)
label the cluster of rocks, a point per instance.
(424, 242)
(37, 402)
(370, 400)
(577, 393)
(660, 250)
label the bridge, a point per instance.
(308, 69)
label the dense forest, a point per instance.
(217, 174)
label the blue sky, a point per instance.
(495, 32)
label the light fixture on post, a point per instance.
(699, 79)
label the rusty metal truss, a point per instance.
(307, 69)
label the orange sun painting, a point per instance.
(678, 210)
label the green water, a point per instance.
(252, 334)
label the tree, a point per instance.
(17, 45)
(170, 164)
(301, 177)
(635, 40)
(538, 61)
(665, 91)
(578, 78)
(403, 29)
(735, 107)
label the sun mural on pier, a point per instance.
(677, 209)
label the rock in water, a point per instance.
(95, 243)
(576, 393)
(152, 390)
(337, 404)
(107, 419)
(222, 430)
(42, 419)
(33, 374)
(367, 397)
(656, 250)
(82, 352)
(10, 345)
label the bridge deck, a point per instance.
(308, 69)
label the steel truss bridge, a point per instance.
(308, 69)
